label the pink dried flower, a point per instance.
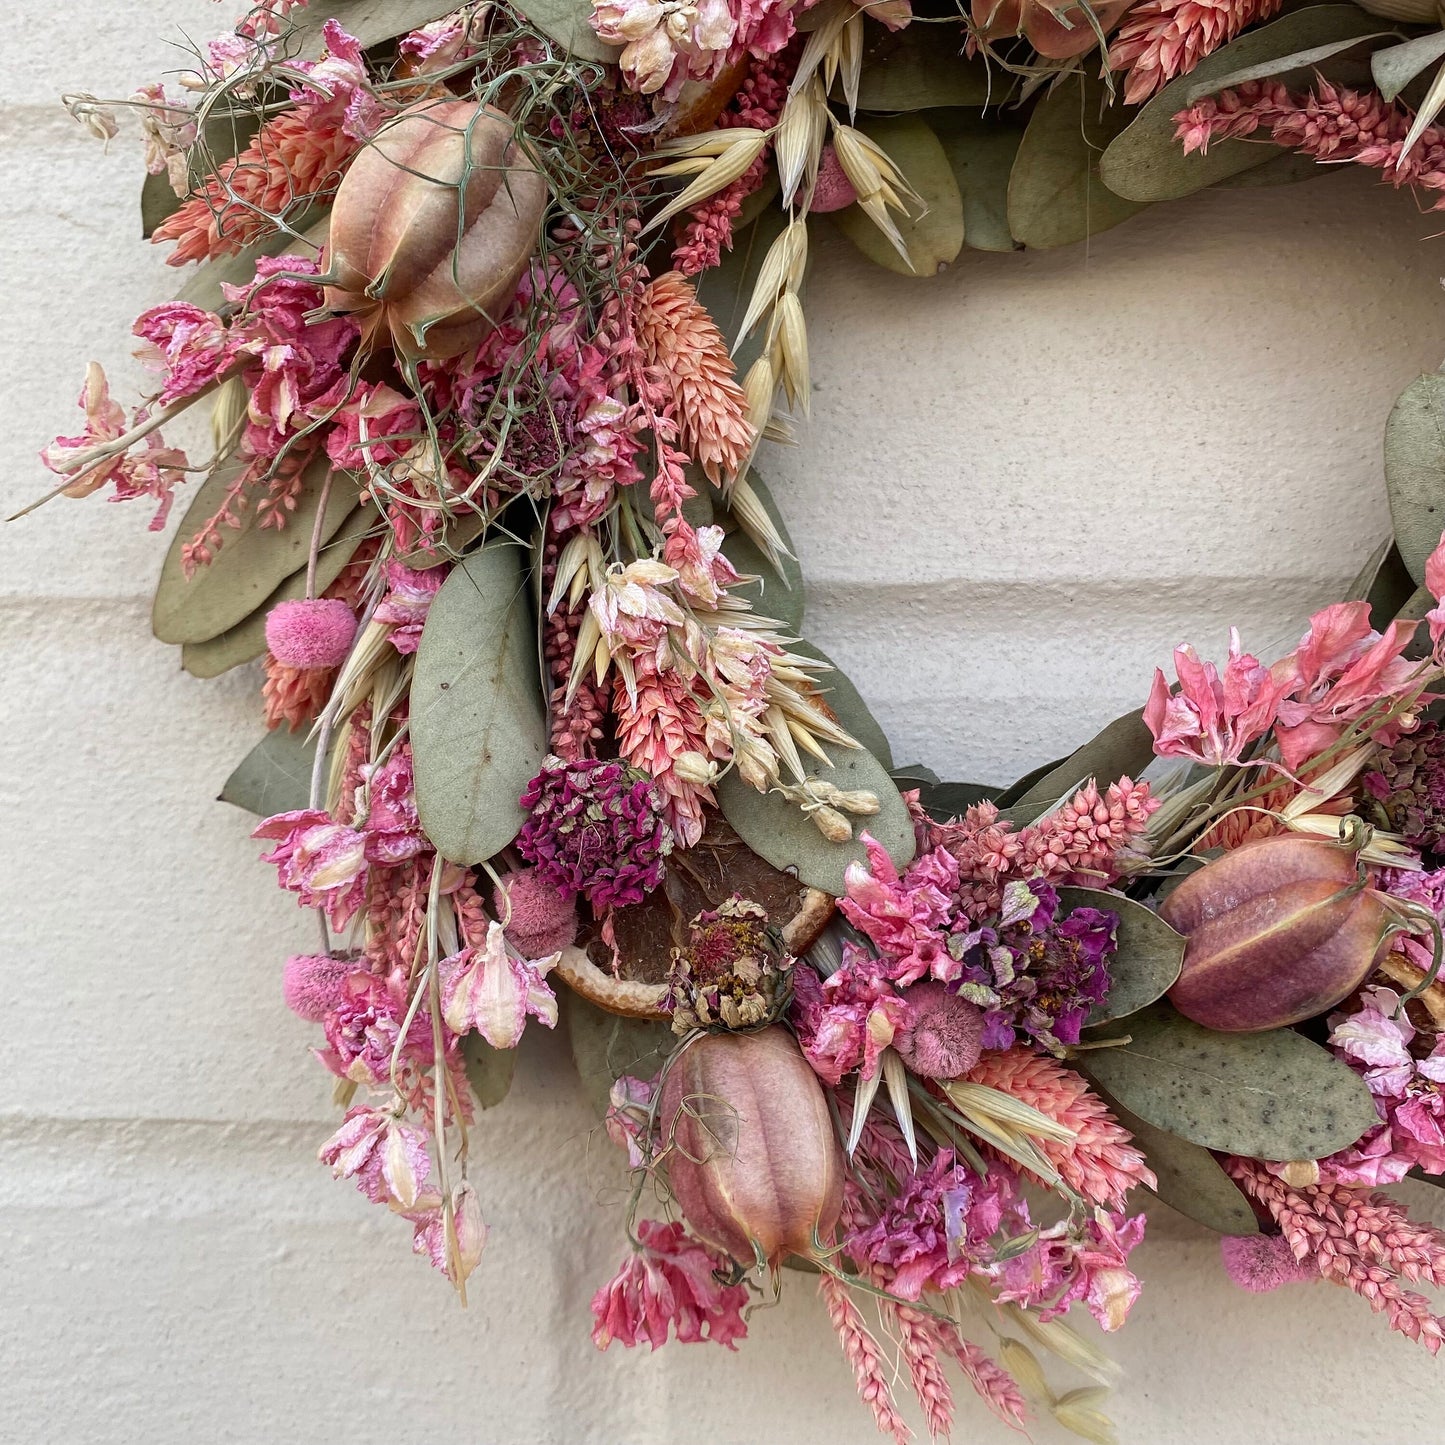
(388, 1159)
(1212, 720)
(294, 695)
(408, 601)
(1101, 1162)
(321, 861)
(313, 984)
(904, 917)
(1082, 841)
(393, 829)
(596, 828)
(363, 1027)
(833, 191)
(628, 1119)
(668, 1284)
(942, 1037)
(310, 632)
(537, 916)
(918, 1345)
(1160, 39)
(193, 347)
(994, 1385)
(429, 1233)
(862, 1353)
(1262, 1262)
(492, 991)
(845, 1022)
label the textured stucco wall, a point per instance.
(1023, 482)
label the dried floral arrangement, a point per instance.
(494, 309)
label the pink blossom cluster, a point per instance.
(1160, 39)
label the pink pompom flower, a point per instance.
(310, 632)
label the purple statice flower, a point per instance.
(1034, 972)
(596, 827)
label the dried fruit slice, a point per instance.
(701, 878)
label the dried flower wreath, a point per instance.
(494, 310)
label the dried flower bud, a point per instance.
(731, 972)
(692, 767)
(831, 824)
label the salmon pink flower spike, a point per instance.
(1212, 720)
(492, 991)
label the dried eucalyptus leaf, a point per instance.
(246, 641)
(1020, 786)
(981, 149)
(1287, 168)
(489, 1070)
(566, 22)
(606, 1046)
(1145, 162)
(924, 66)
(1123, 749)
(1396, 66)
(727, 288)
(946, 801)
(1190, 1178)
(933, 239)
(848, 706)
(1415, 470)
(912, 775)
(203, 288)
(1299, 60)
(478, 730)
(1055, 196)
(1384, 583)
(1271, 1095)
(1146, 960)
(251, 562)
(275, 776)
(782, 834)
(372, 22)
(778, 592)
(158, 202)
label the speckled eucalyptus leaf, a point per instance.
(1395, 66)
(489, 1070)
(782, 834)
(250, 563)
(924, 66)
(605, 1046)
(566, 22)
(1123, 749)
(246, 641)
(275, 776)
(478, 730)
(981, 148)
(1415, 470)
(1190, 1178)
(848, 706)
(1145, 162)
(1271, 1095)
(1146, 959)
(1308, 59)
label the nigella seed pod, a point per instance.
(1278, 931)
(432, 227)
(753, 1159)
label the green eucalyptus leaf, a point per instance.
(1286, 168)
(1123, 749)
(1271, 1095)
(372, 22)
(1415, 470)
(981, 150)
(275, 776)
(1020, 786)
(158, 202)
(727, 288)
(913, 775)
(946, 801)
(457, 535)
(1299, 60)
(1055, 196)
(778, 591)
(605, 1046)
(566, 22)
(1146, 163)
(923, 66)
(489, 1071)
(1385, 583)
(848, 705)
(783, 835)
(1394, 67)
(246, 641)
(478, 730)
(1190, 1178)
(252, 561)
(933, 239)
(1146, 960)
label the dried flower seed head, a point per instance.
(732, 972)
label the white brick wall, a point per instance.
(1023, 482)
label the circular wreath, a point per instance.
(495, 311)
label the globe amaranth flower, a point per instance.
(596, 827)
(1033, 972)
(1408, 787)
(731, 972)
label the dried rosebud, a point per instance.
(432, 226)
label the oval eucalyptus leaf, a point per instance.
(457, 535)
(1287, 168)
(246, 641)
(1271, 1095)
(565, 21)
(1020, 786)
(1394, 67)
(981, 150)
(1385, 583)
(848, 706)
(1146, 959)
(727, 288)
(1123, 749)
(478, 730)
(606, 1046)
(1300, 60)
(203, 289)
(489, 1071)
(924, 66)
(778, 592)
(1415, 470)
(1190, 1178)
(158, 202)
(783, 835)
(933, 239)
(913, 775)
(372, 22)
(275, 776)
(1145, 162)
(251, 562)
(1055, 196)
(946, 801)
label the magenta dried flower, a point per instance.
(943, 1037)
(1408, 787)
(596, 828)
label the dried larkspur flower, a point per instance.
(596, 828)
(731, 973)
(1408, 787)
